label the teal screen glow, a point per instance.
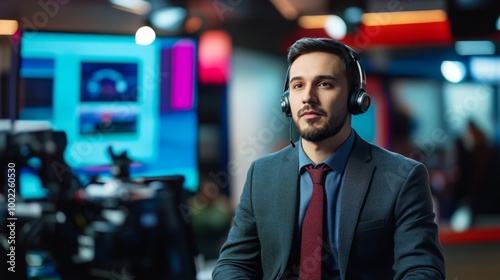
(105, 90)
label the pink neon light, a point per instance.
(183, 75)
(215, 50)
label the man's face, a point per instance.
(318, 95)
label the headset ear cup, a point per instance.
(364, 102)
(285, 104)
(359, 101)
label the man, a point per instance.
(377, 218)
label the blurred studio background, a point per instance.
(192, 88)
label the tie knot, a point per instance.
(318, 174)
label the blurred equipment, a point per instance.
(103, 230)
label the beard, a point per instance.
(316, 131)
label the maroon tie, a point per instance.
(312, 226)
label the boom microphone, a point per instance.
(291, 142)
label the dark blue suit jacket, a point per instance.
(387, 228)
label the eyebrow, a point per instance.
(319, 77)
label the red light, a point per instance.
(215, 49)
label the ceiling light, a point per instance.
(8, 27)
(139, 7)
(145, 35)
(453, 71)
(193, 24)
(485, 69)
(353, 15)
(475, 47)
(312, 22)
(406, 17)
(335, 27)
(170, 18)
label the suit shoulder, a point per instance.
(277, 156)
(390, 158)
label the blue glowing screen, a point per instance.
(106, 90)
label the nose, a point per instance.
(309, 95)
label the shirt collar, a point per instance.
(337, 161)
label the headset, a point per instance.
(358, 101)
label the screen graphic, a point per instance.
(105, 90)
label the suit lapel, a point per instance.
(357, 180)
(287, 204)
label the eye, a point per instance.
(297, 85)
(325, 85)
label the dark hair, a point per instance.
(309, 45)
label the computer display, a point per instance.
(105, 90)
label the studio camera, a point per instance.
(115, 228)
